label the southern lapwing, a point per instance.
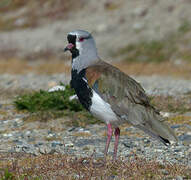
(111, 95)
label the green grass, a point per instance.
(44, 106)
(7, 175)
(44, 101)
(185, 26)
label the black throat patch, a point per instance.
(83, 91)
(74, 51)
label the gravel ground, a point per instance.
(17, 135)
(90, 140)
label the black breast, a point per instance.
(83, 91)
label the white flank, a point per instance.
(101, 109)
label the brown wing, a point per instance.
(128, 100)
(111, 83)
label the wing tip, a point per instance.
(167, 142)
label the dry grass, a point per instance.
(16, 66)
(149, 68)
(172, 104)
(180, 119)
(57, 166)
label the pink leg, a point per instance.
(117, 134)
(109, 135)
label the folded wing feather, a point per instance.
(128, 100)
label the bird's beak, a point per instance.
(68, 47)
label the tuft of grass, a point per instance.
(7, 175)
(44, 106)
(185, 27)
(44, 101)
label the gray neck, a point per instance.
(85, 59)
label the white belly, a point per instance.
(102, 110)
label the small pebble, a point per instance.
(179, 178)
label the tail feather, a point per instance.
(155, 136)
(162, 129)
(153, 124)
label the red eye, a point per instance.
(81, 39)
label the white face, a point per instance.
(85, 44)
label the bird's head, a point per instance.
(82, 45)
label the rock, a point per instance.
(128, 144)
(38, 144)
(71, 129)
(73, 97)
(187, 126)
(57, 88)
(140, 11)
(18, 142)
(165, 114)
(7, 135)
(177, 150)
(69, 144)
(51, 134)
(83, 130)
(185, 138)
(159, 150)
(164, 171)
(31, 139)
(179, 178)
(175, 126)
(138, 26)
(56, 143)
(45, 150)
(27, 133)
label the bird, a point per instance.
(111, 95)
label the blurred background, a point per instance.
(150, 37)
